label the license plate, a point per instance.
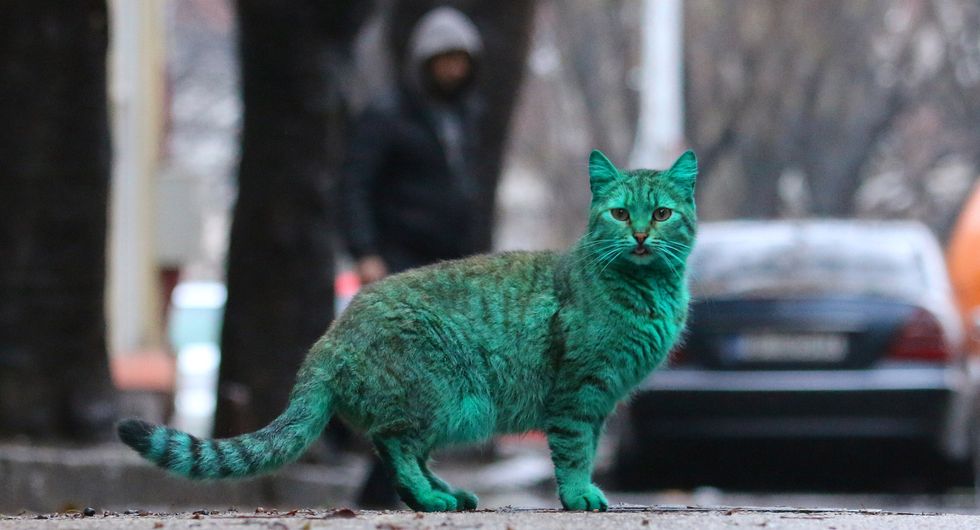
(781, 348)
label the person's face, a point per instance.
(450, 70)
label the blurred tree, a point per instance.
(280, 260)
(54, 182)
(600, 51)
(950, 162)
(858, 107)
(781, 86)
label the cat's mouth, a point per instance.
(640, 251)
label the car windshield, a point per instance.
(782, 260)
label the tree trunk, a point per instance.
(54, 181)
(505, 28)
(280, 260)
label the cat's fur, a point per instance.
(459, 351)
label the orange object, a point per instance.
(152, 371)
(963, 260)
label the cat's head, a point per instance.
(643, 217)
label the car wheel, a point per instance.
(975, 458)
(640, 464)
(643, 464)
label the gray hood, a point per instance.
(441, 30)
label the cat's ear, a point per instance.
(685, 169)
(602, 172)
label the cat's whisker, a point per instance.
(594, 241)
(610, 256)
(598, 255)
(681, 253)
(660, 244)
(590, 263)
(673, 244)
(671, 265)
(668, 251)
(598, 242)
(670, 256)
(608, 263)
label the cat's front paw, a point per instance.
(465, 500)
(588, 498)
(434, 501)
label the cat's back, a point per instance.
(494, 290)
(507, 273)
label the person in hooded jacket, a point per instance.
(409, 185)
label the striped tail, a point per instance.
(269, 448)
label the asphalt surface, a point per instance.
(623, 516)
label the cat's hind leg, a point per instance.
(411, 483)
(465, 500)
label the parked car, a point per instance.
(810, 330)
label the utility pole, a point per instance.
(136, 94)
(660, 129)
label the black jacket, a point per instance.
(400, 196)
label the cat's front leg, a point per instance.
(573, 442)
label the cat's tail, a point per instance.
(276, 444)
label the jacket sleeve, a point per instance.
(365, 158)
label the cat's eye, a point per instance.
(620, 214)
(662, 214)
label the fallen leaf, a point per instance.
(343, 513)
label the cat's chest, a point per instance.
(645, 311)
(640, 331)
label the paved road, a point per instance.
(620, 517)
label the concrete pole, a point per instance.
(660, 129)
(136, 88)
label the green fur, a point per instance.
(459, 351)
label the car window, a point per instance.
(788, 262)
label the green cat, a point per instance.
(462, 350)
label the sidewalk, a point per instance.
(639, 517)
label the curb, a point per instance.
(53, 479)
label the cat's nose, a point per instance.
(640, 237)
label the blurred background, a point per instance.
(170, 182)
